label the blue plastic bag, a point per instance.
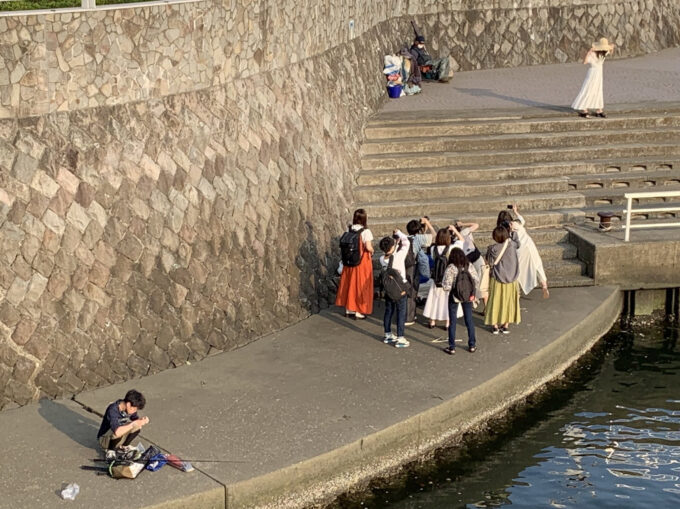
(156, 462)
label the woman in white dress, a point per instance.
(437, 303)
(531, 271)
(591, 96)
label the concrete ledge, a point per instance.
(650, 260)
(328, 475)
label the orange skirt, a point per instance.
(355, 292)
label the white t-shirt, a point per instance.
(366, 235)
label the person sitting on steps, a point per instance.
(431, 68)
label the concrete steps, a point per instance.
(559, 169)
(455, 207)
(427, 175)
(377, 129)
(423, 144)
(429, 192)
(518, 156)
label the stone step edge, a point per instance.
(501, 153)
(479, 199)
(494, 115)
(526, 214)
(515, 120)
(465, 184)
(633, 174)
(522, 136)
(512, 167)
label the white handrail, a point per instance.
(629, 210)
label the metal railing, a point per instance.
(629, 210)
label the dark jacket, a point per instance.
(421, 55)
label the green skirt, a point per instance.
(503, 304)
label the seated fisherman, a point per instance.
(439, 68)
(121, 424)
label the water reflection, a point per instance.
(614, 441)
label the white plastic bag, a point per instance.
(70, 492)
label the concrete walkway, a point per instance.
(652, 78)
(324, 400)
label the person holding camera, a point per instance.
(531, 271)
(503, 305)
(395, 249)
(437, 303)
(475, 257)
(420, 234)
(460, 266)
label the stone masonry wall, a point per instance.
(152, 217)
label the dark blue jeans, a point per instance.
(390, 308)
(467, 316)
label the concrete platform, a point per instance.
(648, 79)
(310, 411)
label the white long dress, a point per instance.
(531, 272)
(437, 303)
(591, 96)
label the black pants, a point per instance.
(414, 279)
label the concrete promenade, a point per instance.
(646, 79)
(305, 413)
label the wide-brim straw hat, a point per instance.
(602, 45)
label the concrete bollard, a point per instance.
(88, 4)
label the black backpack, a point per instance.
(393, 284)
(440, 263)
(350, 247)
(464, 286)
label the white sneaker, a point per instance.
(389, 338)
(401, 342)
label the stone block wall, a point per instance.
(173, 178)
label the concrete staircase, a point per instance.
(560, 169)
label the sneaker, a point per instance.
(505, 330)
(110, 455)
(410, 323)
(401, 343)
(449, 350)
(495, 330)
(389, 338)
(359, 316)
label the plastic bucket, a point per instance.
(394, 91)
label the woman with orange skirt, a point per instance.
(355, 292)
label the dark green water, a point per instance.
(609, 437)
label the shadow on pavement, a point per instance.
(485, 92)
(74, 425)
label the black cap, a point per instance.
(420, 38)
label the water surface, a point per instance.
(610, 437)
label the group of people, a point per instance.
(448, 260)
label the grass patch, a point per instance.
(30, 5)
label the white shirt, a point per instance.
(398, 256)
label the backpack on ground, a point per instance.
(393, 284)
(350, 247)
(464, 286)
(440, 263)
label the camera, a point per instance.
(510, 207)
